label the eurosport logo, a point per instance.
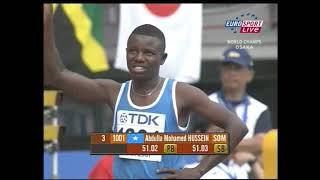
(245, 23)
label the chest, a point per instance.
(143, 100)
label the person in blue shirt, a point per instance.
(147, 103)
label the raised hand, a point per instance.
(47, 13)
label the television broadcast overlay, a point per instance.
(87, 136)
(160, 143)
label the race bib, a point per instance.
(140, 122)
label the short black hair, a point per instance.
(150, 30)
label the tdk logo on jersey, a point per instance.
(246, 23)
(142, 118)
(139, 118)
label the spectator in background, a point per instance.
(236, 72)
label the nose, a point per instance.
(139, 57)
(229, 73)
(232, 73)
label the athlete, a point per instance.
(147, 103)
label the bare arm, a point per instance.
(251, 145)
(191, 99)
(72, 84)
(197, 101)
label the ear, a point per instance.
(163, 58)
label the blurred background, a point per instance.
(81, 119)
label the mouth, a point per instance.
(138, 69)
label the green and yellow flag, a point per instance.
(79, 35)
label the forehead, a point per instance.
(227, 65)
(139, 39)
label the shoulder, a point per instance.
(110, 88)
(189, 93)
(109, 83)
(257, 104)
(185, 88)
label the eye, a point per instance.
(149, 53)
(131, 52)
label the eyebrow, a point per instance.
(147, 48)
(151, 49)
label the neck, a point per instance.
(234, 95)
(146, 86)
